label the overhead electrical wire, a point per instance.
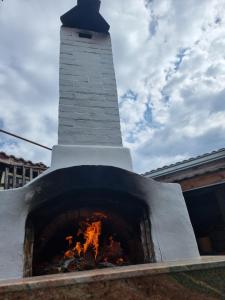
(24, 139)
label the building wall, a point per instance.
(203, 186)
(16, 173)
(195, 176)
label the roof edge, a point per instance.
(16, 159)
(186, 164)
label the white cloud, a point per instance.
(169, 53)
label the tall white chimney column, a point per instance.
(88, 105)
(89, 123)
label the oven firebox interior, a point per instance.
(79, 234)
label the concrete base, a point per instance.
(69, 156)
(201, 279)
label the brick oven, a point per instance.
(89, 209)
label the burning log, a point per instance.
(91, 247)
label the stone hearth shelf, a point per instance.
(191, 280)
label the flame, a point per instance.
(89, 233)
(70, 240)
(92, 235)
(69, 254)
(78, 248)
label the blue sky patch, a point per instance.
(180, 56)
(148, 114)
(129, 95)
(153, 25)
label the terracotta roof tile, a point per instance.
(4, 155)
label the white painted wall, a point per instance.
(88, 106)
(13, 212)
(70, 156)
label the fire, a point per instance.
(69, 254)
(83, 249)
(70, 240)
(78, 248)
(91, 235)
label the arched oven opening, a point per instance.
(87, 231)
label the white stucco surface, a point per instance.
(13, 212)
(69, 156)
(88, 105)
(172, 231)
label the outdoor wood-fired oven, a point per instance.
(89, 223)
(89, 209)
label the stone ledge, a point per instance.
(112, 274)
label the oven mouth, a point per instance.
(87, 230)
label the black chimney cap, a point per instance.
(86, 16)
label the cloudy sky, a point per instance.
(170, 66)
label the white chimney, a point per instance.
(89, 123)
